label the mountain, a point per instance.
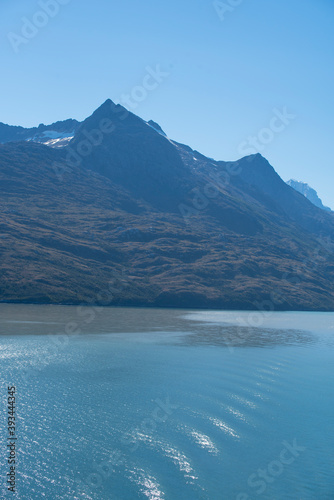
(123, 215)
(308, 192)
(54, 135)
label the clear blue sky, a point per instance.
(227, 73)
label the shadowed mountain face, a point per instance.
(120, 214)
(131, 153)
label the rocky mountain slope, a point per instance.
(122, 215)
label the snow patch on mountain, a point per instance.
(52, 138)
(59, 143)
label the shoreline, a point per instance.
(203, 307)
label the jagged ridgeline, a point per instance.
(111, 211)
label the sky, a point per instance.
(228, 78)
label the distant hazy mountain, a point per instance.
(121, 214)
(308, 192)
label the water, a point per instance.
(168, 404)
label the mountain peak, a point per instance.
(106, 103)
(308, 192)
(107, 111)
(256, 158)
(105, 108)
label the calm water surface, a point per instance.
(168, 404)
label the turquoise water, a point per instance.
(168, 404)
